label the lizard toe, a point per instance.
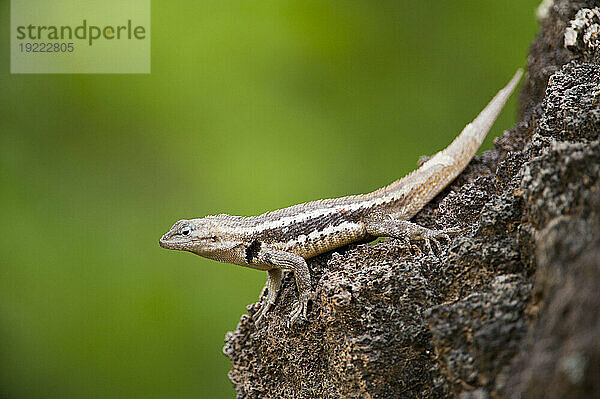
(301, 308)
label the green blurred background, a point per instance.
(250, 106)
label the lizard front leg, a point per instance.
(287, 260)
(273, 285)
(388, 226)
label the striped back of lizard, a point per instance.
(315, 227)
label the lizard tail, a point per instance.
(415, 190)
(469, 140)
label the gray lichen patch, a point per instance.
(582, 36)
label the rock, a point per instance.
(510, 308)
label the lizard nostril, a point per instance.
(163, 241)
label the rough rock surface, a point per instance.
(510, 308)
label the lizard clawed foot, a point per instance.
(430, 236)
(413, 249)
(260, 315)
(428, 241)
(301, 308)
(409, 232)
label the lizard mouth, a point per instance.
(165, 243)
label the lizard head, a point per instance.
(202, 237)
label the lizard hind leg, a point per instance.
(273, 285)
(408, 231)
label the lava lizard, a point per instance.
(285, 238)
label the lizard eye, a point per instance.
(185, 231)
(214, 238)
